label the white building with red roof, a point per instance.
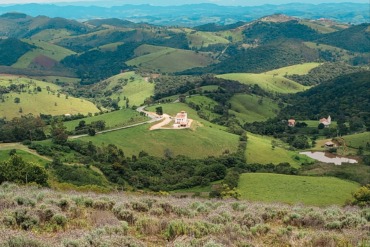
(181, 119)
(326, 121)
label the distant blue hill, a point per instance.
(197, 14)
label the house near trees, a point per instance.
(181, 119)
(326, 121)
(291, 122)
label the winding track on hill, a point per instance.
(153, 118)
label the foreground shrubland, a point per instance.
(33, 216)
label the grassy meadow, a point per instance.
(166, 59)
(357, 140)
(137, 88)
(49, 35)
(46, 49)
(318, 191)
(35, 102)
(298, 69)
(112, 119)
(250, 108)
(260, 150)
(268, 82)
(204, 39)
(20, 150)
(206, 105)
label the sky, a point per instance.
(176, 2)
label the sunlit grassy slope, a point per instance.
(35, 102)
(270, 83)
(319, 191)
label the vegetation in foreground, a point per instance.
(40, 217)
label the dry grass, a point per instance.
(34, 216)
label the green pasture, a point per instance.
(297, 69)
(210, 88)
(134, 87)
(344, 54)
(48, 35)
(112, 119)
(270, 83)
(357, 140)
(205, 104)
(35, 102)
(204, 39)
(318, 191)
(318, 27)
(52, 51)
(251, 108)
(260, 150)
(4, 155)
(110, 47)
(171, 60)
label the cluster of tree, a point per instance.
(145, 171)
(95, 65)
(26, 127)
(12, 49)
(214, 27)
(91, 129)
(19, 171)
(355, 38)
(264, 32)
(325, 72)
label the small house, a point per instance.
(326, 121)
(291, 122)
(329, 144)
(181, 119)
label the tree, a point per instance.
(91, 131)
(58, 132)
(159, 110)
(17, 100)
(17, 170)
(362, 196)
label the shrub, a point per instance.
(24, 219)
(25, 201)
(63, 204)
(60, 220)
(175, 228)
(333, 225)
(260, 229)
(140, 206)
(124, 214)
(45, 214)
(103, 205)
(9, 221)
(21, 241)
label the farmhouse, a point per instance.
(291, 122)
(181, 119)
(326, 121)
(329, 144)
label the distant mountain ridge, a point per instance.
(198, 14)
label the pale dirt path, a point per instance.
(167, 120)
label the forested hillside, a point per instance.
(345, 96)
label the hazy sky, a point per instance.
(178, 2)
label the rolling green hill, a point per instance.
(126, 85)
(112, 119)
(357, 140)
(268, 82)
(265, 150)
(250, 108)
(34, 101)
(201, 140)
(166, 59)
(50, 54)
(317, 191)
(51, 35)
(204, 39)
(298, 69)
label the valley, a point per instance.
(169, 134)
